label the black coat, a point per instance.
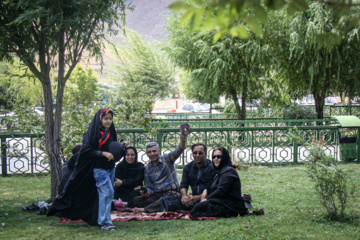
(79, 199)
(223, 193)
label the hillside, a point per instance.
(148, 18)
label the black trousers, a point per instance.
(153, 202)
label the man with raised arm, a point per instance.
(159, 177)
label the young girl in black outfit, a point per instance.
(88, 193)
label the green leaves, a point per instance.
(332, 184)
(230, 16)
(178, 6)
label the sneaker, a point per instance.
(109, 225)
(107, 228)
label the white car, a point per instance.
(330, 101)
(39, 110)
(195, 108)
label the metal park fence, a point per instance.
(249, 142)
(260, 113)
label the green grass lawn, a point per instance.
(292, 211)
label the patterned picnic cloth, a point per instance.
(126, 215)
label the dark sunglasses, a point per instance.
(198, 153)
(217, 156)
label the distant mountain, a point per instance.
(148, 18)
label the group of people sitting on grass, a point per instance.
(90, 180)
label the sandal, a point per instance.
(31, 208)
(258, 212)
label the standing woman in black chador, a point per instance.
(88, 193)
(222, 197)
(129, 175)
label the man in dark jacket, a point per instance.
(196, 174)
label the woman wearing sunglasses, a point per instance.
(222, 197)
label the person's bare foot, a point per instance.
(139, 210)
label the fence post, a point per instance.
(358, 145)
(295, 152)
(330, 110)
(274, 138)
(31, 154)
(3, 156)
(252, 147)
(158, 139)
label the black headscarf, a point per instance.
(93, 136)
(131, 168)
(225, 160)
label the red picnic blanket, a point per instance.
(118, 216)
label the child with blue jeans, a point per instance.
(88, 192)
(104, 172)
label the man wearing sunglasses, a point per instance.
(196, 174)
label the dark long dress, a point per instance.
(79, 199)
(132, 176)
(223, 193)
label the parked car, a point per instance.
(195, 108)
(331, 101)
(39, 110)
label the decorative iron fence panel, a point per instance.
(253, 142)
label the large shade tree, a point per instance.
(145, 63)
(227, 16)
(54, 34)
(307, 66)
(228, 66)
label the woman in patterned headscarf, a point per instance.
(88, 193)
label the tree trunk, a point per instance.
(319, 104)
(235, 98)
(243, 99)
(52, 140)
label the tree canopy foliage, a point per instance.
(18, 85)
(306, 66)
(231, 66)
(144, 63)
(82, 87)
(48, 35)
(227, 16)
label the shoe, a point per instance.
(33, 207)
(246, 197)
(107, 227)
(259, 212)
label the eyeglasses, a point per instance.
(198, 153)
(217, 156)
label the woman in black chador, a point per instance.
(88, 193)
(222, 197)
(129, 174)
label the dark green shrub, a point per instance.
(299, 112)
(332, 184)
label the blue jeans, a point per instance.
(105, 185)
